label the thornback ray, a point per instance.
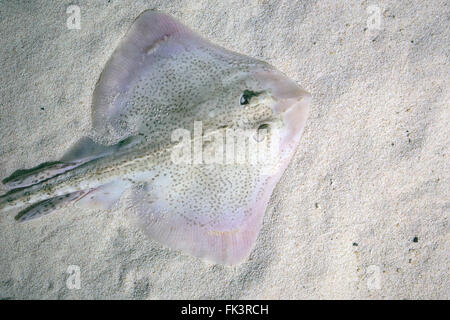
(194, 137)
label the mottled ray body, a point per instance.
(162, 86)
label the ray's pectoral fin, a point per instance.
(152, 39)
(224, 241)
(217, 223)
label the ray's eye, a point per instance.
(261, 132)
(263, 126)
(247, 96)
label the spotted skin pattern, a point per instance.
(164, 77)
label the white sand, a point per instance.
(372, 167)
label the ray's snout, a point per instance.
(291, 102)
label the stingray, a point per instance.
(189, 137)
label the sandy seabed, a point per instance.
(361, 212)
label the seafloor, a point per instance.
(363, 209)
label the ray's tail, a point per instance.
(47, 206)
(36, 188)
(38, 197)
